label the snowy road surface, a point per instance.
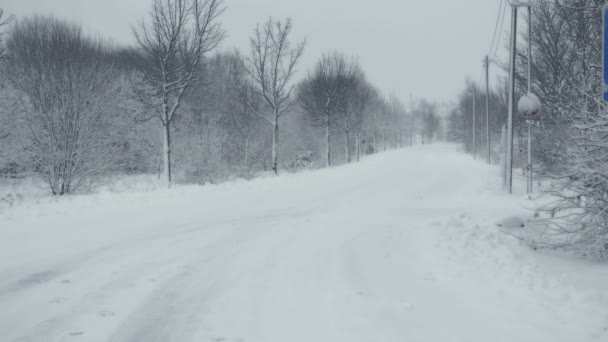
(401, 247)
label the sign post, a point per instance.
(529, 107)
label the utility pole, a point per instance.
(487, 65)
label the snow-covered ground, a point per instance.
(401, 247)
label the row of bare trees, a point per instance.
(335, 95)
(175, 42)
(75, 109)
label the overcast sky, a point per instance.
(423, 48)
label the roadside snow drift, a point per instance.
(401, 247)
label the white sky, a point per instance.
(424, 48)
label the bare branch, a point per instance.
(4, 23)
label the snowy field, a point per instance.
(401, 247)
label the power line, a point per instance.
(500, 7)
(497, 36)
(500, 31)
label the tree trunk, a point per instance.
(275, 145)
(247, 152)
(375, 140)
(412, 132)
(167, 152)
(384, 140)
(328, 144)
(222, 153)
(375, 134)
(347, 150)
(358, 146)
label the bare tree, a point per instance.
(374, 121)
(173, 44)
(323, 93)
(361, 96)
(243, 103)
(5, 129)
(429, 120)
(4, 22)
(272, 66)
(219, 136)
(401, 120)
(67, 85)
(358, 95)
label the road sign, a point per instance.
(529, 106)
(605, 53)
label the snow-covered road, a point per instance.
(401, 247)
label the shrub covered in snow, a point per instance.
(302, 160)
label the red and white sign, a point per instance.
(529, 106)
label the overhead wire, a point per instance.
(500, 7)
(497, 35)
(500, 31)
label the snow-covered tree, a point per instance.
(173, 44)
(66, 85)
(570, 144)
(219, 136)
(355, 111)
(243, 102)
(324, 92)
(352, 109)
(272, 66)
(459, 123)
(430, 122)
